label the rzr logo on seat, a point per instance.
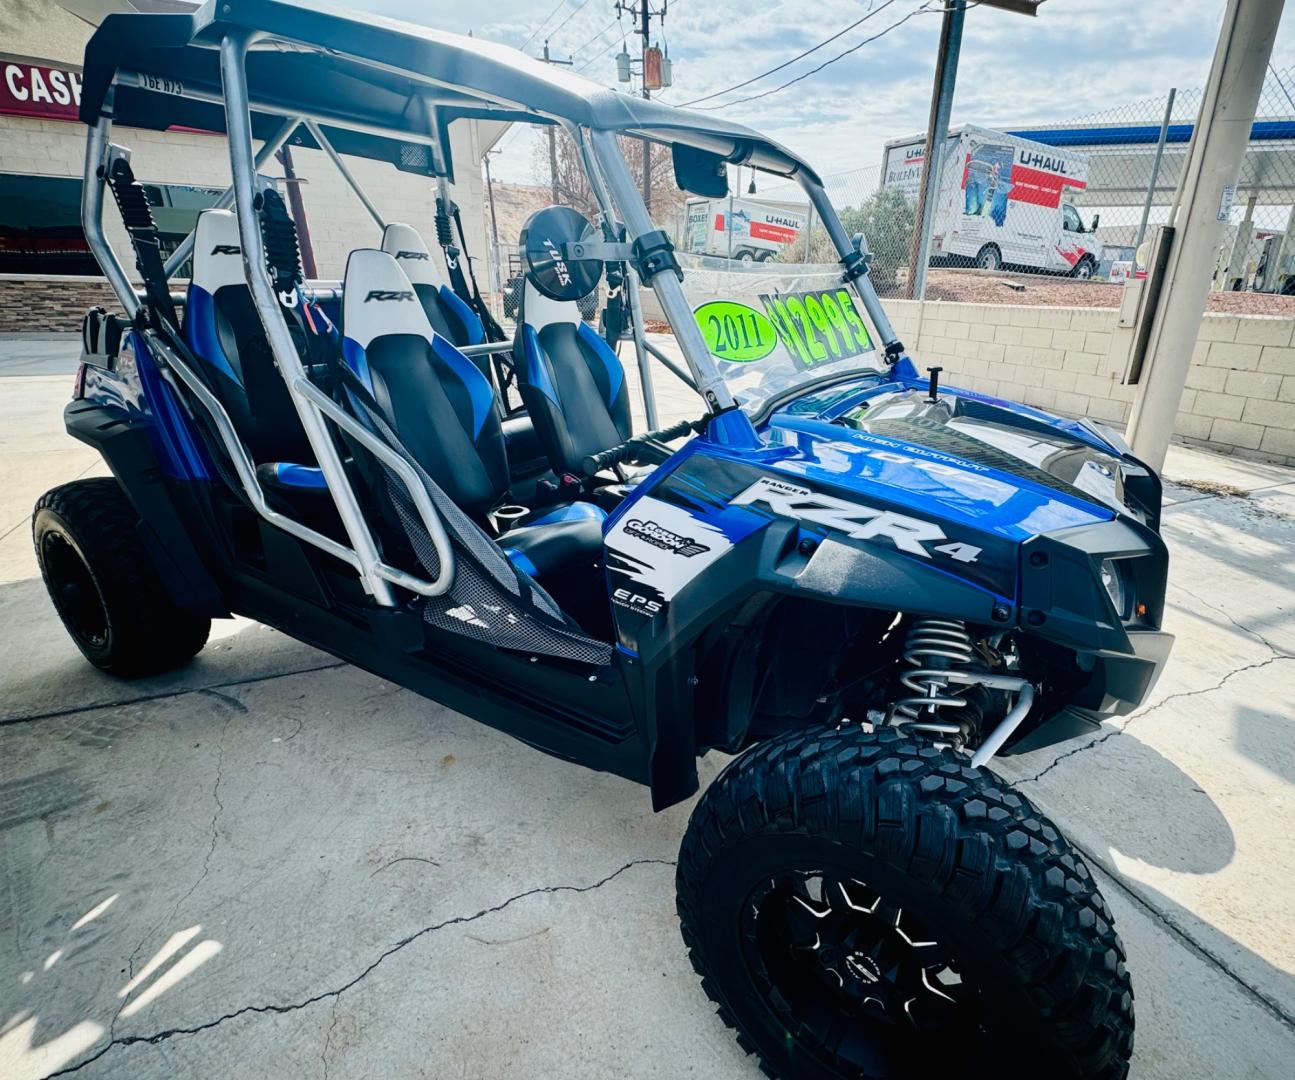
(652, 533)
(858, 522)
(388, 294)
(227, 249)
(424, 256)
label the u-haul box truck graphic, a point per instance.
(1002, 201)
(758, 229)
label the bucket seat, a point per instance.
(441, 407)
(455, 321)
(571, 382)
(223, 330)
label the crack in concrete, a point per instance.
(206, 862)
(1123, 729)
(1267, 1003)
(337, 992)
(162, 695)
(1239, 625)
(404, 858)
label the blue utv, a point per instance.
(860, 584)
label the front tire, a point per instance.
(104, 585)
(868, 905)
(1083, 269)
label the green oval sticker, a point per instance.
(735, 331)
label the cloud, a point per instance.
(1078, 57)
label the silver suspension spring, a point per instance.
(934, 647)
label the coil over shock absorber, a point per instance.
(935, 648)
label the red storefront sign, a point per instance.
(33, 90)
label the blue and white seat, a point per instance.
(571, 382)
(223, 330)
(440, 406)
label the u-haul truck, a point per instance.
(1002, 202)
(743, 229)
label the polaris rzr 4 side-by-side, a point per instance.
(860, 583)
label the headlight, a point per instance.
(1113, 579)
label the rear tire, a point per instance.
(104, 585)
(989, 258)
(869, 905)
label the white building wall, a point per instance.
(338, 221)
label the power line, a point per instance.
(575, 52)
(570, 14)
(536, 31)
(788, 63)
(924, 9)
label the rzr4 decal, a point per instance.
(388, 294)
(858, 522)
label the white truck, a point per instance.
(1002, 202)
(743, 229)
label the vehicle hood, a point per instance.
(990, 464)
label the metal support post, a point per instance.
(1155, 167)
(1213, 164)
(937, 134)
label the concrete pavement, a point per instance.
(273, 864)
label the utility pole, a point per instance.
(1202, 207)
(490, 194)
(937, 134)
(553, 134)
(651, 67)
(645, 16)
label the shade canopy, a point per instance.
(369, 80)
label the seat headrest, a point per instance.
(539, 311)
(217, 251)
(378, 299)
(405, 244)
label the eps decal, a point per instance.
(913, 535)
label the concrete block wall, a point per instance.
(1240, 395)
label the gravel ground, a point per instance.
(976, 287)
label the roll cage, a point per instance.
(371, 87)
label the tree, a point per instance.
(575, 191)
(886, 221)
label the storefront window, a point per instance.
(40, 222)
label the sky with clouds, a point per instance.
(1077, 58)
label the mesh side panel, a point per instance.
(489, 600)
(475, 607)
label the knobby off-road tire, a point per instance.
(928, 890)
(105, 587)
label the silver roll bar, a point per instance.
(413, 482)
(344, 169)
(238, 125)
(666, 286)
(631, 285)
(271, 147)
(96, 149)
(863, 286)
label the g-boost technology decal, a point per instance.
(657, 549)
(663, 538)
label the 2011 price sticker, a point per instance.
(736, 332)
(818, 327)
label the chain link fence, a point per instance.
(1068, 200)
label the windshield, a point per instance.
(773, 326)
